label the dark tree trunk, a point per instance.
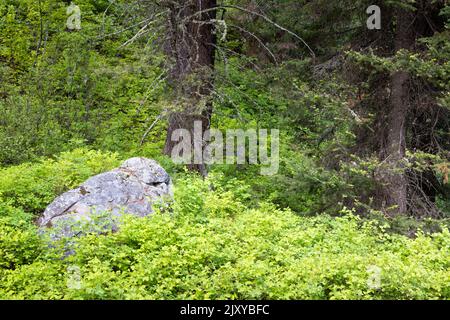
(393, 152)
(403, 106)
(191, 47)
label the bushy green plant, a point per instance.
(210, 245)
(58, 86)
(32, 186)
(19, 241)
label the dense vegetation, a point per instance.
(212, 245)
(348, 196)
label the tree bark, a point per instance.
(393, 153)
(191, 47)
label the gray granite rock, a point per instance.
(133, 188)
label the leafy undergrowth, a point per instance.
(210, 245)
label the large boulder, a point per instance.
(133, 188)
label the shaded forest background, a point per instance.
(340, 101)
(363, 116)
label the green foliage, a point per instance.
(236, 234)
(59, 86)
(32, 186)
(212, 246)
(315, 122)
(19, 241)
(18, 246)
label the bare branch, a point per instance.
(264, 17)
(150, 128)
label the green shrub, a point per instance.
(19, 240)
(32, 186)
(210, 245)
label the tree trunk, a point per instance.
(394, 178)
(191, 47)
